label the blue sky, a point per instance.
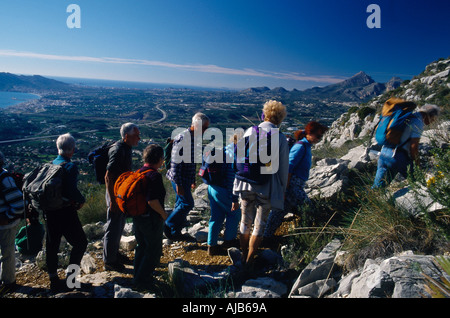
(223, 43)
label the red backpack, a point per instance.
(130, 192)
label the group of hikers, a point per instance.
(255, 209)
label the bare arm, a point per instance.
(414, 150)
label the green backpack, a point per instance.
(168, 152)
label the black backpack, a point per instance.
(42, 187)
(248, 170)
(99, 159)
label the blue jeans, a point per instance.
(183, 204)
(220, 202)
(390, 163)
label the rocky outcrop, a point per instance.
(400, 276)
(327, 179)
(329, 176)
(348, 127)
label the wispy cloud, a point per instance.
(203, 68)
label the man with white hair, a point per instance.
(182, 174)
(120, 161)
(399, 159)
(11, 210)
(65, 221)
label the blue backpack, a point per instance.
(394, 118)
(247, 169)
(213, 173)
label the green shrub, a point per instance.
(94, 209)
(439, 288)
(379, 228)
(435, 179)
(363, 112)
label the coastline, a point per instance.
(8, 99)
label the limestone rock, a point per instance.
(128, 243)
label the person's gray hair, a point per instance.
(431, 110)
(202, 117)
(2, 159)
(127, 129)
(65, 144)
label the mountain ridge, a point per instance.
(13, 82)
(359, 88)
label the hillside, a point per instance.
(355, 243)
(23, 83)
(431, 86)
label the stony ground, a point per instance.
(195, 253)
(34, 283)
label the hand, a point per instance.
(4, 219)
(113, 207)
(180, 190)
(235, 206)
(164, 216)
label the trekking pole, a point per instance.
(248, 120)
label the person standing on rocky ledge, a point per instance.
(258, 199)
(224, 206)
(65, 221)
(120, 161)
(11, 210)
(148, 228)
(182, 174)
(300, 159)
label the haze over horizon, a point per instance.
(223, 44)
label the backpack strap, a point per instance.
(3, 175)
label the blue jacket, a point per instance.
(70, 189)
(300, 159)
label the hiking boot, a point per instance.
(168, 233)
(230, 243)
(8, 288)
(214, 250)
(235, 255)
(178, 236)
(118, 267)
(58, 285)
(122, 258)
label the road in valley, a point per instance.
(164, 116)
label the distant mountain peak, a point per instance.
(256, 89)
(359, 79)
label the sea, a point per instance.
(90, 82)
(12, 98)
